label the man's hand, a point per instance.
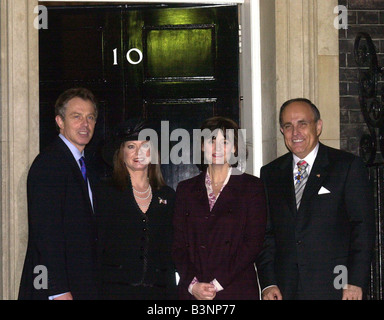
(65, 296)
(204, 291)
(272, 293)
(352, 293)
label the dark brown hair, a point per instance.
(121, 176)
(63, 99)
(223, 124)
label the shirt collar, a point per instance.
(75, 152)
(310, 158)
(208, 181)
(208, 184)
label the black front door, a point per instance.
(176, 64)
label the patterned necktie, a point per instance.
(300, 180)
(83, 168)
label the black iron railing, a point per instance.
(371, 99)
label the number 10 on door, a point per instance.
(139, 55)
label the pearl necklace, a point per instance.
(144, 205)
(141, 192)
(143, 198)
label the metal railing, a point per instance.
(371, 100)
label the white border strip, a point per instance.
(257, 133)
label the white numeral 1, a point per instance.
(115, 56)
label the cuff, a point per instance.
(193, 282)
(56, 295)
(217, 285)
(272, 285)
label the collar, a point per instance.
(212, 198)
(310, 159)
(208, 180)
(75, 152)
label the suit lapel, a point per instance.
(227, 195)
(200, 193)
(319, 172)
(75, 170)
(287, 189)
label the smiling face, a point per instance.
(217, 149)
(78, 124)
(136, 154)
(301, 131)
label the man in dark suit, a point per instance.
(61, 256)
(319, 246)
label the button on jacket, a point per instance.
(221, 244)
(135, 248)
(330, 229)
(62, 227)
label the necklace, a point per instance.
(218, 183)
(141, 192)
(144, 205)
(144, 198)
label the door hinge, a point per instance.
(240, 40)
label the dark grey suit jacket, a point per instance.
(303, 247)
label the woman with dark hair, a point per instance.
(219, 220)
(135, 214)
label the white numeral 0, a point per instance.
(128, 56)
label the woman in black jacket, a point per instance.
(135, 222)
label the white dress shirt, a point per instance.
(310, 159)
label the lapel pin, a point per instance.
(162, 201)
(318, 175)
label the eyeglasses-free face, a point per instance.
(79, 122)
(217, 149)
(137, 154)
(301, 131)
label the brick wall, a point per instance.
(363, 16)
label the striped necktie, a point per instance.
(83, 168)
(300, 180)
